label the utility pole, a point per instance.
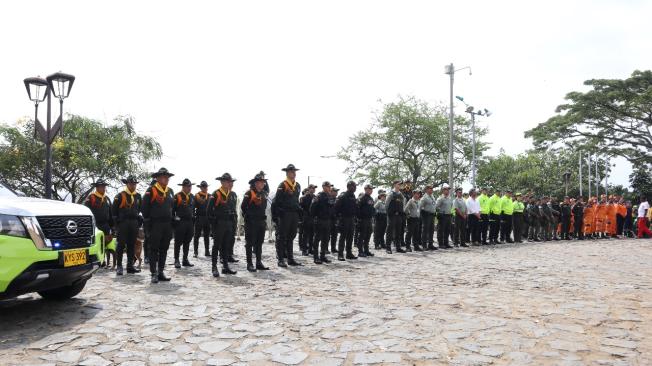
(597, 179)
(580, 174)
(589, 179)
(450, 70)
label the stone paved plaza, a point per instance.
(558, 303)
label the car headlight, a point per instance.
(35, 233)
(12, 225)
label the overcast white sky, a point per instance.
(241, 86)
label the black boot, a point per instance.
(162, 277)
(340, 257)
(317, 260)
(216, 273)
(282, 264)
(324, 259)
(417, 248)
(177, 264)
(408, 249)
(227, 270)
(350, 256)
(260, 266)
(250, 267)
(154, 278)
(294, 263)
(118, 271)
(186, 263)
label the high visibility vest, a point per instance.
(484, 204)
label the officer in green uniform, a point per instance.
(494, 217)
(101, 208)
(253, 206)
(222, 214)
(157, 212)
(483, 200)
(507, 209)
(517, 218)
(202, 226)
(182, 210)
(287, 203)
(126, 209)
(394, 206)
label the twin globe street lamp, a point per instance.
(38, 90)
(482, 113)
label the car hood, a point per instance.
(22, 206)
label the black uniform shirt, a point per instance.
(183, 206)
(101, 209)
(157, 203)
(254, 204)
(305, 203)
(345, 205)
(287, 197)
(222, 205)
(322, 206)
(201, 202)
(126, 206)
(366, 207)
(395, 204)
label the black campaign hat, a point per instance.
(161, 172)
(289, 168)
(202, 184)
(258, 177)
(369, 186)
(100, 182)
(186, 182)
(130, 179)
(226, 177)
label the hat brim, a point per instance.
(202, 185)
(290, 169)
(157, 174)
(253, 181)
(186, 185)
(127, 181)
(222, 179)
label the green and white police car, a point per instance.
(49, 247)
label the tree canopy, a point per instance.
(409, 139)
(613, 118)
(89, 151)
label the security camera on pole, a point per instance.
(482, 113)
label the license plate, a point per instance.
(74, 257)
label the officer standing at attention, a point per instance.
(307, 222)
(334, 229)
(366, 212)
(146, 232)
(427, 213)
(253, 206)
(578, 216)
(517, 218)
(483, 200)
(494, 217)
(507, 209)
(459, 205)
(287, 203)
(182, 210)
(380, 220)
(443, 208)
(413, 218)
(394, 207)
(534, 219)
(101, 208)
(222, 213)
(202, 226)
(157, 212)
(565, 211)
(321, 212)
(126, 207)
(346, 211)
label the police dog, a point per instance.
(138, 248)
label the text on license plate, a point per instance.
(74, 257)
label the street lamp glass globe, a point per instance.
(36, 89)
(61, 84)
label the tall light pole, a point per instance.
(450, 70)
(580, 155)
(483, 113)
(39, 89)
(589, 171)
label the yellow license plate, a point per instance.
(74, 257)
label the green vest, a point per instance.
(506, 205)
(494, 204)
(484, 204)
(519, 207)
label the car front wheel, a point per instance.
(63, 293)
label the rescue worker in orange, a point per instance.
(589, 219)
(601, 218)
(621, 213)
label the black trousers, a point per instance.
(517, 222)
(289, 222)
(506, 227)
(443, 229)
(473, 224)
(334, 232)
(160, 234)
(307, 238)
(365, 234)
(127, 235)
(565, 227)
(427, 228)
(484, 227)
(620, 221)
(494, 226)
(412, 236)
(323, 231)
(346, 235)
(146, 231)
(380, 226)
(202, 228)
(402, 230)
(578, 225)
(254, 237)
(459, 237)
(222, 234)
(394, 224)
(183, 233)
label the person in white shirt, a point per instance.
(643, 230)
(473, 212)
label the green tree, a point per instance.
(614, 118)
(537, 171)
(641, 181)
(88, 151)
(409, 139)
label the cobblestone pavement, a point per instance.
(558, 303)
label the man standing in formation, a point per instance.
(126, 210)
(253, 206)
(394, 207)
(427, 214)
(182, 210)
(308, 230)
(287, 204)
(366, 213)
(100, 206)
(459, 236)
(413, 234)
(321, 212)
(380, 220)
(157, 214)
(222, 213)
(346, 211)
(473, 216)
(443, 207)
(202, 226)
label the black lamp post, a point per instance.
(38, 90)
(482, 113)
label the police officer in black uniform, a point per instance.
(287, 204)
(202, 226)
(321, 211)
(222, 214)
(395, 205)
(253, 206)
(366, 213)
(307, 222)
(146, 232)
(157, 212)
(126, 210)
(334, 228)
(182, 210)
(101, 208)
(346, 210)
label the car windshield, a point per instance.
(6, 192)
